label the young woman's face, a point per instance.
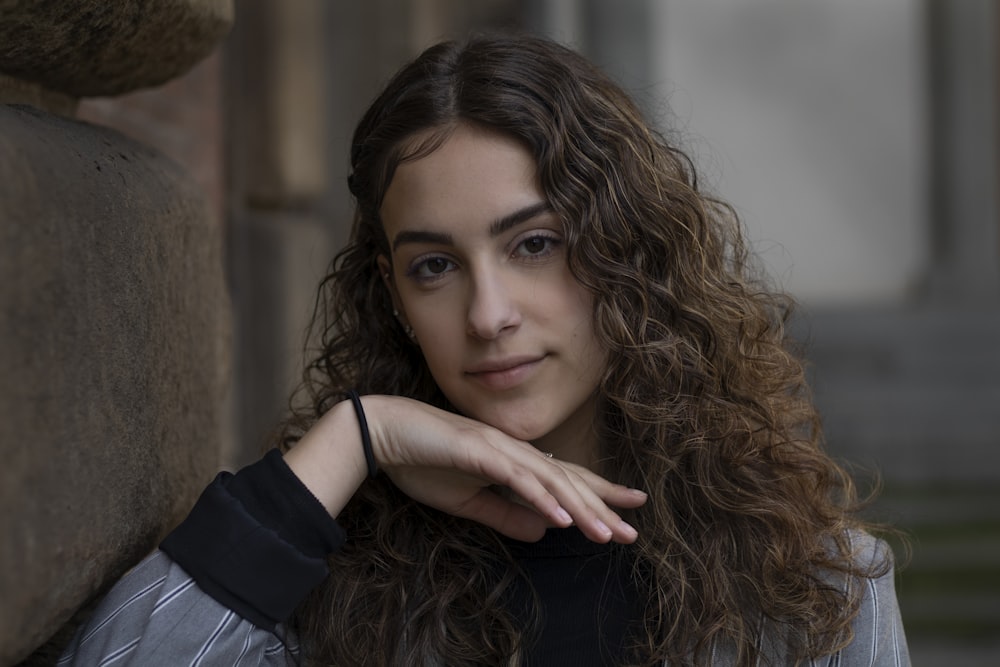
(479, 270)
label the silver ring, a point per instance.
(548, 455)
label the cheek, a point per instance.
(578, 309)
(440, 332)
(592, 356)
(590, 349)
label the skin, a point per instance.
(479, 271)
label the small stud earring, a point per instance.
(407, 329)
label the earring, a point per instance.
(407, 329)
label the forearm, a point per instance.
(257, 541)
(225, 581)
(157, 615)
(329, 460)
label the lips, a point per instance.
(499, 374)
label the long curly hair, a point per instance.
(704, 403)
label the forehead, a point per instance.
(473, 177)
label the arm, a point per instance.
(256, 543)
(450, 462)
(253, 545)
(157, 615)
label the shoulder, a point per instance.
(876, 632)
(868, 550)
(877, 638)
(862, 557)
(877, 629)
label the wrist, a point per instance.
(329, 459)
(366, 442)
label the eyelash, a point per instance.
(551, 243)
(416, 270)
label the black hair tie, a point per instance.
(366, 440)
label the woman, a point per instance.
(536, 299)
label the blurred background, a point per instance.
(857, 139)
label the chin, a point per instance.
(516, 426)
(512, 428)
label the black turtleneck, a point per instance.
(587, 595)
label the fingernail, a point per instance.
(629, 530)
(563, 516)
(602, 527)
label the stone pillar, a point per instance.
(113, 314)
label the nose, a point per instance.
(493, 305)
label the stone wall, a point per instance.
(115, 320)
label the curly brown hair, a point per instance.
(703, 404)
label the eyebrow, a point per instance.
(497, 227)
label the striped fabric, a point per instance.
(156, 615)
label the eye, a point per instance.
(536, 246)
(430, 268)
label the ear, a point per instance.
(385, 270)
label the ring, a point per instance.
(548, 455)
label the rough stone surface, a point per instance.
(113, 325)
(85, 48)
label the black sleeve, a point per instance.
(257, 541)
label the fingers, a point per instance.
(447, 461)
(597, 520)
(562, 491)
(617, 495)
(525, 524)
(504, 516)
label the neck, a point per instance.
(575, 440)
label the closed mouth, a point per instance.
(500, 374)
(501, 365)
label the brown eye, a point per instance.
(535, 244)
(437, 265)
(537, 247)
(430, 269)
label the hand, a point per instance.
(450, 462)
